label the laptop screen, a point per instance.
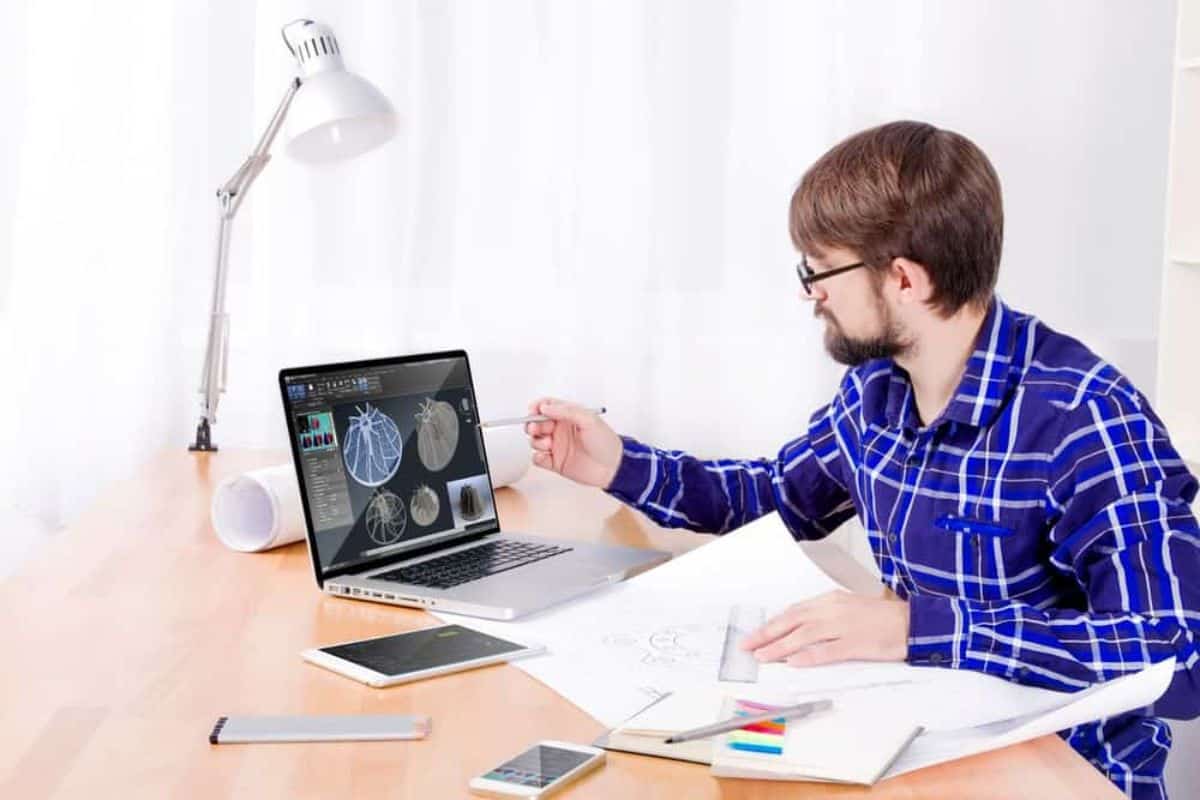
(390, 454)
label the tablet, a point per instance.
(411, 656)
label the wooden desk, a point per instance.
(136, 628)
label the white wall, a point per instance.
(590, 196)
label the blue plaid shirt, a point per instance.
(1039, 529)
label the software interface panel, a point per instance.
(390, 455)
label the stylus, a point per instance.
(498, 423)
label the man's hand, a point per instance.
(574, 443)
(838, 626)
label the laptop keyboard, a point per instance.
(471, 565)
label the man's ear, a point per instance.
(911, 281)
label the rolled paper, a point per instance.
(259, 509)
(508, 454)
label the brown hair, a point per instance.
(908, 189)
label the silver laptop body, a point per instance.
(393, 478)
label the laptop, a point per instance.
(399, 506)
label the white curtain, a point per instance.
(590, 197)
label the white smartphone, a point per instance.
(540, 771)
(403, 657)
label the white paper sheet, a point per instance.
(613, 651)
(859, 707)
(1102, 700)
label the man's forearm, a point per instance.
(677, 490)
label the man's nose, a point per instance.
(816, 294)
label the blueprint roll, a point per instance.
(508, 454)
(259, 509)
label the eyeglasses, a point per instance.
(808, 276)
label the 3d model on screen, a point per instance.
(468, 503)
(372, 447)
(386, 518)
(437, 433)
(425, 505)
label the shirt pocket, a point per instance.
(995, 559)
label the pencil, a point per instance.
(499, 423)
(788, 712)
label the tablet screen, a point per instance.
(416, 651)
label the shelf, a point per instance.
(1178, 391)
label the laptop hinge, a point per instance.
(408, 555)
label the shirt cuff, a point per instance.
(936, 631)
(635, 472)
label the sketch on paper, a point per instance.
(694, 647)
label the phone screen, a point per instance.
(539, 766)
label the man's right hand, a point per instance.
(574, 442)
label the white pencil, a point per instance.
(499, 423)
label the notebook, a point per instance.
(645, 731)
(841, 745)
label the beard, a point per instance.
(852, 352)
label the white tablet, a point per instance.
(411, 656)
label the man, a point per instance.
(1023, 501)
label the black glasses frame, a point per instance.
(808, 276)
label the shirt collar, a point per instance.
(986, 382)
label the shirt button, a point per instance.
(892, 538)
(975, 542)
(936, 658)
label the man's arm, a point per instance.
(805, 483)
(1119, 496)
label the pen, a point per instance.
(497, 423)
(786, 712)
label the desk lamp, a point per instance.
(331, 114)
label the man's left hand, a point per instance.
(838, 626)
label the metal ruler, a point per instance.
(738, 664)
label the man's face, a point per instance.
(859, 325)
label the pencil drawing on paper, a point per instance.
(688, 646)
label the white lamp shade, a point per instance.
(336, 115)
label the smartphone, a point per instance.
(540, 771)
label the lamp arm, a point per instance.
(229, 199)
(239, 184)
